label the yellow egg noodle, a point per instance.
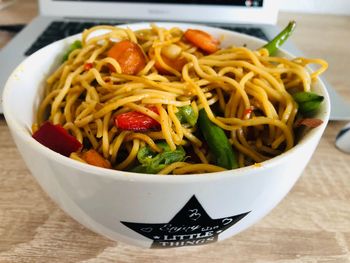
(250, 89)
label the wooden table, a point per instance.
(312, 224)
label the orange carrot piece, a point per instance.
(202, 40)
(176, 64)
(129, 56)
(94, 158)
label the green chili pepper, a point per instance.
(75, 45)
(278, 41)
(186, 114)
(217, 141)
(152, 162)
(308, 102)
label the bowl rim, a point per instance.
(124, 175)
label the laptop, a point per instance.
(60, 18)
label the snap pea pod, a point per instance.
(152, 162)
(218, 142)
(75, 45)
(279, 40)
(186, 114)
(308, 102)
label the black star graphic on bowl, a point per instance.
(190, 226)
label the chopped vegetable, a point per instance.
(88, 66)
(172, 51)
(247, 112)
(57, 139)
(202, 40)
(94, 158)
(176, 64)
(129, 56)
(75, 45)
(217, 141)
(309, 122)
(279, 40)
(186, 114)
(136, 121)
(308, 102)
(152, 162)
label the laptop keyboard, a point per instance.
(58, 30)
(252, 31)
(61, 29)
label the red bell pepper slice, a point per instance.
(136, 121)
(57, 139)
(88, 66)
(247, 112)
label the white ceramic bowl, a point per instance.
(151, 210)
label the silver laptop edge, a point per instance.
(165, 10)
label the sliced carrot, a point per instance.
(94, 158)
(202, 40)
(129, 55)
(176, 63)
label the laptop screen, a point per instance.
(247, 3)
(204, 11)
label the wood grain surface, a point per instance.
(312, 224)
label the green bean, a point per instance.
(152, 162)
(308, 102)
(279, 40)
(75, 45)
(218, 142)
(186, 114)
